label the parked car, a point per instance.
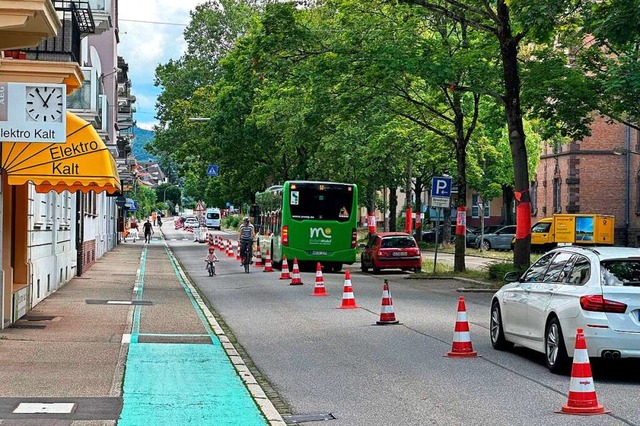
(391, 250)
(191, 222)
(429, 236)
(502, 239)
(593, 288)
(474, 232)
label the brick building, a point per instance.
(590, 176)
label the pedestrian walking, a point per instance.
(148, 230)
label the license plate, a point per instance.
(319, 253)
(399, 253)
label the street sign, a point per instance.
(212, 170)
(444, 202)
(441, 192)
(441, 187)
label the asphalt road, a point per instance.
(321, 360)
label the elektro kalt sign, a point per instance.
(33, 112)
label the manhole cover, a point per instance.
(44, 408)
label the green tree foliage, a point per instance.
(610, 56)
(364, 91)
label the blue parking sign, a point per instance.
(441, 186)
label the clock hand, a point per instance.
(41, 98)
(45, 102)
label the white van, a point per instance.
(212, 218)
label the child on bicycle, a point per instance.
(211, 257)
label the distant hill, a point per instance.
(142, 138)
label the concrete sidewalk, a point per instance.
(135, 309)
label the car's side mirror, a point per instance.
(511, 277)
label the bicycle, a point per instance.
(211, 267)
(246, 256)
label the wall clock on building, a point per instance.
(44, 104)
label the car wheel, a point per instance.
(376, 271)
(498, 340)
(486, 245)
(417, 269)
(554, 349)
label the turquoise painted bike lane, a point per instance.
(182, 383)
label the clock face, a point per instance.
(44, 104)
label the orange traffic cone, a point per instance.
(387, 316)
(348, 301)
(229, 248)
(267, 265)
(296, 274)
(582, 394)
(258, 263)
(319, 289)
(462, 347)
(285, 270)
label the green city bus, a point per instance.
(309, 221)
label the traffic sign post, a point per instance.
(440, 198)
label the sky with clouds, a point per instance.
(151, 34)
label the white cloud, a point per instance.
(145, 45)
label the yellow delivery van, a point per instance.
(583, 229)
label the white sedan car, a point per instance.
(191, 222)
(596, 289)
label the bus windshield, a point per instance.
(321, 201)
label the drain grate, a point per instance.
(302, 418)
(38, 318)
(33, 326)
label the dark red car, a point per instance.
(391, 250)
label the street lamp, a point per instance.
(620, 150)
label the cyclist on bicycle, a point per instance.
(211, 257)
(246, 234)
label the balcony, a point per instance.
(101, 10)
(77, 21)
(24, 24)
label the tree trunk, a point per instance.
(393, 208)
(461, 182)
(509, 53)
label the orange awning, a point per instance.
(83, 163)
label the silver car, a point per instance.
(502, 239)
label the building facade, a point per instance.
(55, 227)
(599, 174)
